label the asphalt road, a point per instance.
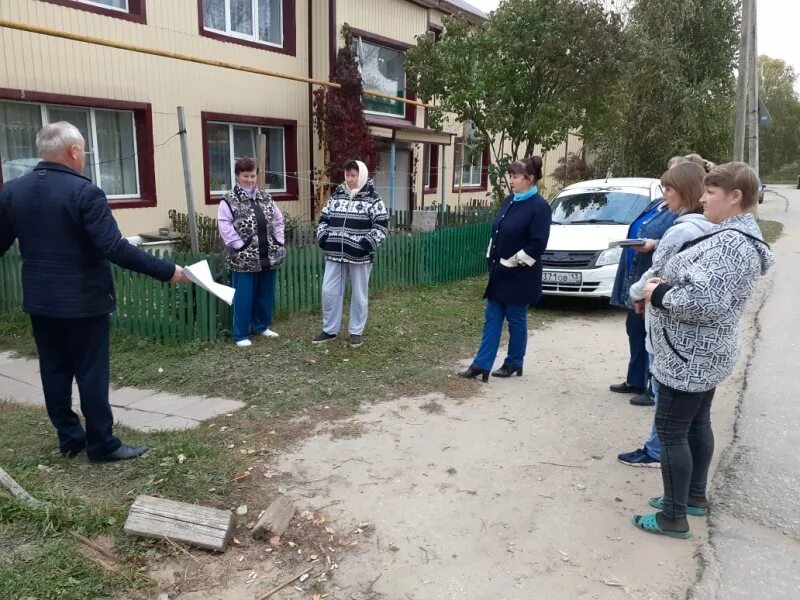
(754, 547)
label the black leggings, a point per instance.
(683, 423)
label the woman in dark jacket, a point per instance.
(519, 237)
(650, 225)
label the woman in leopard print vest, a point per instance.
(251, 226)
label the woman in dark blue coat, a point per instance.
(519, 237)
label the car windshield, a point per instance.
(599, 206)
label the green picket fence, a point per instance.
(150, 308)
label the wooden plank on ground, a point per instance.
(275, 519)
(192, 524)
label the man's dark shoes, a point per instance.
(472, 372)
(643, 400)
(639, 458)
(356, 341)
(323, 338)
(507, 371)
(122, 453)
(624, 388)
(72, 453)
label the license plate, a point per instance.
(562, 277)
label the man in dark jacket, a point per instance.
(67, 237)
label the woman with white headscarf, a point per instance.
(353, 223)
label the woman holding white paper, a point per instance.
(519, 237)
(252, 228)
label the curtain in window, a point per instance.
(214, 14)
(276, 166)
(242, 16)
(18, 126)
(219, 153)
(116, 149)
(270, 21)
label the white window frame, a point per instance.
(125, 10)
(359, 41)
(91, 144)
(243, 36)
(463, 182)
(260, 128)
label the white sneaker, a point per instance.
(269, 333)
(244, 343)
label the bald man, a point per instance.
(68, 238)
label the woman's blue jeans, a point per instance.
(517, 317)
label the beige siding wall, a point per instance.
(46, 64)
(51, 65)
(396, 19)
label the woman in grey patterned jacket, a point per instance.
(683, 190)
(697, 304)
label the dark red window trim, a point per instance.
(289, 31)
(142, 118)
(290, 142)
(410, 109)
(137, 10)
(433, 169)
(469, 189)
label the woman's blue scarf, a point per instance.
(526, 195)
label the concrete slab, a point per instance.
(7, 357)
(22, 370)
(135, 419)
(20, 392)
(171, 423)
(126, 396)
(145, 410)
(208, 408)
(165, 404)
(150, 421)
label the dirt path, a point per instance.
(515, 493)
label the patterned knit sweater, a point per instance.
(698, 305)
(351, 229)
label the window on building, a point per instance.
(469, 172)
(112, 4)
(110, 136)
(259, 21)
(382, 69)
(128, 10)
(431, 167)
(228, 142)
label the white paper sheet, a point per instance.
(200, 274)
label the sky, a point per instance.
(778, 27)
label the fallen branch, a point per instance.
(96, 547)
(182, 549)
(351, 459)
(113, 566)
(279, 587)
(544, 462)
(16, 490)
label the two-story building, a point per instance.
(125, 101)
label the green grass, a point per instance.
(771, 230)
(38, 567)
(414, 340)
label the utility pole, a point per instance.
(752, 90)
(187, 180)
(741, 82)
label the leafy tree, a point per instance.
(779, 144)
(677, 92)
(339, 117)
(535, 70)
(574, 169)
